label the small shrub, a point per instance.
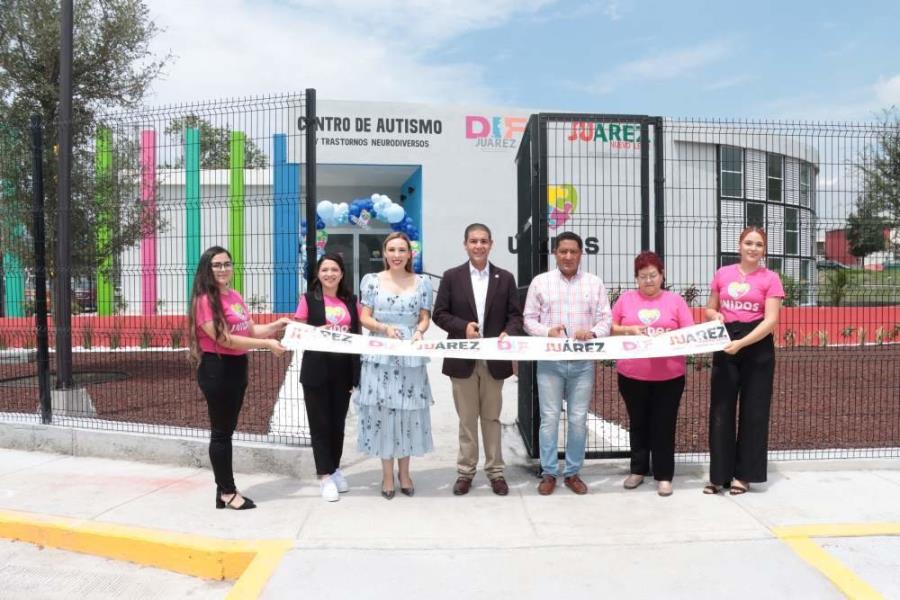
(807, 340)
(146, 338)
(791, 290)
(690, 294)
(87, 338)
(861, 336)
(176, 338)
(847, 331)
(836, 286)
(614, 294)
(790, 338)
(880, 335)
(822, 338)
(115, 339)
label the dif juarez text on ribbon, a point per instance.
(697, 339)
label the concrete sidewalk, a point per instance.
(611, 543)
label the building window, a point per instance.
(791, 231)
(732, 172)
(755, 215)
(805, 171)
(729, 259)
(775, 263)
(774, 177)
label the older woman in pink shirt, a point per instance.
(651, 387)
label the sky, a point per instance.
(798, 60)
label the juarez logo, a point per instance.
(617, 135)
(495, 132)
(562, 200)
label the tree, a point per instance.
(879, 206)
(215, 145)
(112, 69)
(865, 229)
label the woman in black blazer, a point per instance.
(329, 377)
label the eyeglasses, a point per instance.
(221, 266)
(647, 277)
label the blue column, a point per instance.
(285, 228)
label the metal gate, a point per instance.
(590, 174)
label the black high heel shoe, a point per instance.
(410, 491)
(247, 505)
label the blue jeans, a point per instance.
(572, 380)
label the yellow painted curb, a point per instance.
(798, 538)
(249, 563)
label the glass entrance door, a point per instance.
(361, 253)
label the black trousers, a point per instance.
(744, 380)
(223, 381)
(652, 411)
(326, 411)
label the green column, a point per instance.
(192, 248)
(103, 173)
(236, 208)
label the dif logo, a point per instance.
(495, 132)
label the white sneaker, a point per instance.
(340, 481)
(329, 490)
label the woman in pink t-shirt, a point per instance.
(651, 387)
(328, 377)
(747, 297)
(221, 332)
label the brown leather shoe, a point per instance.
(547, 485)
(575, 484)
(499, 486)
(462, 486)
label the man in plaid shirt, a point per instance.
(566, 303)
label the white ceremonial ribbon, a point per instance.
(697, 339)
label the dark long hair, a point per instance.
(205, 285)
(343, 292)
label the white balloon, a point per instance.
(325, 210)
(395, 213)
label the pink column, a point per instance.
(148, 241)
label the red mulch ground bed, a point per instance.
(824, 398)
(159, 387)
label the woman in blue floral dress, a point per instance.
(394, 396)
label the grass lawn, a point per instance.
(863, 287)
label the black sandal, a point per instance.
(711, 489)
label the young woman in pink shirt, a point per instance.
(746, 296)
(651, 387)
(221, 332)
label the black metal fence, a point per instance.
(828, 196)
(151, 191)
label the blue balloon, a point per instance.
(303, 228)
(397, 226)
(413, 234)
(368, 205)
(407, 221)
(320, 224)
(355, 209)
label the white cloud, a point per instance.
(346, 49)
(865, 103)
(728, 82)
(668, 64)
(887, 92)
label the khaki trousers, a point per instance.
(479, 397)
